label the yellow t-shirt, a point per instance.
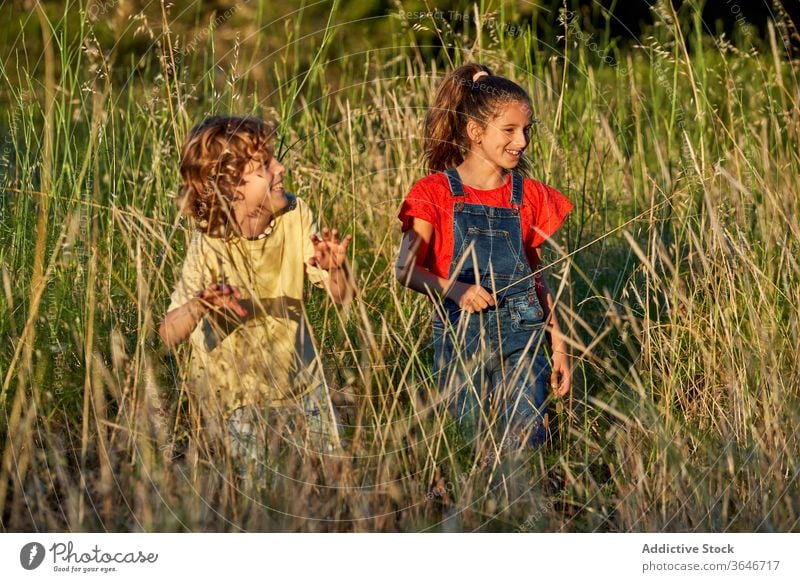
(267, 357)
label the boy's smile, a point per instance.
(262, 195)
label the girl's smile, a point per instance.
(502, 142)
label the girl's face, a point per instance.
(261, 191)
(504, 138)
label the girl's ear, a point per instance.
(474, 131)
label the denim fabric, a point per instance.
(490, 364)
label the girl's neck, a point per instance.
(481, 175)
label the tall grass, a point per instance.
(676, 276)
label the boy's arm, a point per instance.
(338, 285)
(330, 254)
(408, 271)
(561, 372)
(179, 323)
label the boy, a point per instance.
(239, 296)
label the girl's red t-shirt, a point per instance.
(543, 208)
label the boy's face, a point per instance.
(261, 190)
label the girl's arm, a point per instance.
(414, 248)
(561, 374)
(179, 323)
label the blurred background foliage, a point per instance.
(128, 31)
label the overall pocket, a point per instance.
(526, 312)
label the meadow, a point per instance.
(676, 276)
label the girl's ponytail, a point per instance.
(445, 129)
(463, 95)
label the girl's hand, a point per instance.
(222, 296)
(330, 252)
(470, 298)
(560, 377)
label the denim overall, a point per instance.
(490, 364)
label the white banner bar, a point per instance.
(353, 557)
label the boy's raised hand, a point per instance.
(330, 253)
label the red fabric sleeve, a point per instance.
(550, 209)
(418, 204)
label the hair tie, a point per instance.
(478, 75)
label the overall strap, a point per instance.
(456, 188)
(516, 189)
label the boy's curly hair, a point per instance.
(214, 157)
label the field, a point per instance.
(676, 276)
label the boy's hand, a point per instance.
(222, 296)
(470, 298)
(330, 252)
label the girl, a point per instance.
(472, 239)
